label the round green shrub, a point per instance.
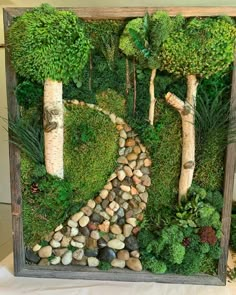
(48, 43)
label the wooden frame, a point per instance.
(76, 272)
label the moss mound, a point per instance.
(90, 152)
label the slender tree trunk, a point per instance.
(152, 97)
(128, 86)
(187, 112)
(53, 128)
(90, 71)
(135, 86)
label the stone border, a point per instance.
(106, 228)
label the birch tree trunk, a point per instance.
(53, 128)
(187, 112)
(152, 97)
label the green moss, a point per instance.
(103, 265)
(233, 232)
(111, 101)
(89, 163)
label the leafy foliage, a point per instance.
(29, 94)
(233, 232)
(48, 43)
(104, 265)
(183, 52)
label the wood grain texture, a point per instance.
(128, 12)
(228, 185)
(14, 157)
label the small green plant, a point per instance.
(233, 232)
(103, 265)
(232, 273)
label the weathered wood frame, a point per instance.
(75, 272)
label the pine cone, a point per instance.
(34, 188)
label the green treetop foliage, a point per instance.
(48, 43)
(201, 47)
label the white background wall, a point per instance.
(4, 158)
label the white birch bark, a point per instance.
(152, 97)
(187, 112)
(53, 128)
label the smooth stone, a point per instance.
(45, 252)
(59, 227)
(123, 254)
(56, 260)
(121, 212)
(136, 179)
(78, 254)
(121, 175)
(127, 230)
(36, 248)
(77, 244)
(123, 134)
(93, 262)
(58, 236)
(91, 244)
(133, 204)
(145, 170)
(142, 205)
(65, 242)
(113, 176)
(118, 263)
(110, 211)
(98, 208)
(129, 214)
(115, 182)
(84, 220)
(76, 217)
(133, 191)
(144, 196)
(114, 206)
(131, 243)
(95, 235)
(115, 229)
(105, 226)
(82, 262)
(114, 218)
(103, 193)
(121, 221)
(132, 221)
(119, 127)
(125, 205)
(140, 188)
(143, 156)
(96, 218)
(125, 188)
(101, 243)
(55, 244)
(87, 210)
(134, 264)
(142, 147)
(91, 252)
(132, 164)
(136, 230)
(116, 244)
(98, 200)
(147, 162)
(121, 142)
(122, 160)
(80, 239)
(122, 151)
(105, 203)
(44, 262)
(31, 256)
(120, 237)
(132, 157)
(91, 204)
(128, 150)
(128, 171)
(105, 215)
(72, 223)
(106, 254)
(85, 231)
(48, 237)
(135, 254)
(137, 150)
(126, 196)
(60, 252)
(111, 196)
(113, 118)
(139, 164)
(138, 173)
(108, 186)
(67, 258)
(146, 180)
(130, 142)
(92, 226)
(119, 121)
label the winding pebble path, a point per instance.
(107, 227)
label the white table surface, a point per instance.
(10, 285)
